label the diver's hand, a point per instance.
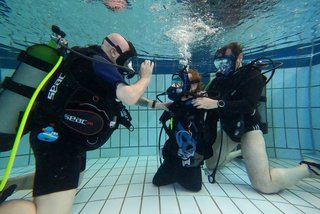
(146, 69)
(205, 103)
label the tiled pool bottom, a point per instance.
(123, 185)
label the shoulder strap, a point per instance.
(166, 115)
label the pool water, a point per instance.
(173, 33)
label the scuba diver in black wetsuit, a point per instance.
(190, 136)
(78, 111)
(234, 93)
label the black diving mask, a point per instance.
(180, 85)
(225, 64)
(125, 59)
(127, 69)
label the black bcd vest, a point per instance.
(80, 106)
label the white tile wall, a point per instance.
(293, 111)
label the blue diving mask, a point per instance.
(226, 64)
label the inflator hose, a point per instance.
(23, 123)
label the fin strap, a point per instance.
(309, 164)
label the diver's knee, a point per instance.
(265, 187)
(18, 206)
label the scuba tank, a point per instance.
(35, 63)
(25, 90)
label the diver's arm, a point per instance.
(151, 104)
(237, 106)
(144, 102)
(250, 95)
(130, 94)
(205, 103)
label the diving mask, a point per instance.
(127, 69)
(180, 85)
(226, 64)
(125, 59)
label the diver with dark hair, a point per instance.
(81, 106)
(235, 93)
(189, 135)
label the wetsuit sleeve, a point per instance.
(247, 96)
(107, 72)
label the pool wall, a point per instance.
(293, 107)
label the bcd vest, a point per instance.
(250, 80)
(78, 106)
(191, 133)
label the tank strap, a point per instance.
(18, 88)
(6, 141)
(35, 62)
